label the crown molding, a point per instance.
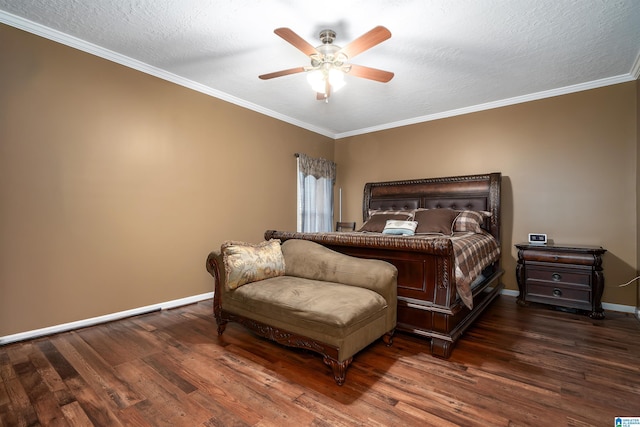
(76, 43)
(84, 46)
(497, 104)
(635, 68)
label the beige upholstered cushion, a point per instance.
(311, 260)
(245, 262)
(326, 307)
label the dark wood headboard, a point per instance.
(472, 192)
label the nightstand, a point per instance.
(561, 275)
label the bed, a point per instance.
(437, 298)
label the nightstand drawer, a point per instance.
(558, 257)
(567, 295)
(558, 276)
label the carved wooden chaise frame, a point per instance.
(329, 353)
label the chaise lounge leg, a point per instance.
(388, 337)
(339, 368)
(222, 325)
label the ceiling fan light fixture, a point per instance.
(336, 79)
(329, 61)
(318, 78)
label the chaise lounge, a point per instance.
(302, 294)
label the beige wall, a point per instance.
(568, 163)
(115, 185)
(637, 284)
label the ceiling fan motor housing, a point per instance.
(329, 54)
(327, 36)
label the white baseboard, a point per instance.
(103, 319)
(509, 292)
(618, 307)
(605, 305)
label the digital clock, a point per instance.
(537, 239)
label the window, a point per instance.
(316, 178)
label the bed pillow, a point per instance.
(435, 221)
(245, 262)
(378, 220)
(470, 221)
(402, 228)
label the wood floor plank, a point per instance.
(172, 372)
(221, 416)
(326, 414)
(76, 415)
(40, 396)
(113, 351)
(99, 375)
(19, 411)
(517, 366)
(96, 408)
(165, 403)
(241, 395)
(444, 400)
(132, 417)
(424, 417)
(265, 377)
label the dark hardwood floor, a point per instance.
(516, 366)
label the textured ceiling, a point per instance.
(449, 56)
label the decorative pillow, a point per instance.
(470, 221)
(403, 228)
(432, 221)
(245, 262)
(377, 221)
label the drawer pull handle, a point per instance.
(556, 277)
(557, 292)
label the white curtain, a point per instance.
(316, 178)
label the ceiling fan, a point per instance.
(329, 61)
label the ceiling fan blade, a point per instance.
(298, 42)
(282, 73)
(370, 73)
(366, 41)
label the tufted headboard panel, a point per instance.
(472, 192)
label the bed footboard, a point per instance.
(428, 304)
